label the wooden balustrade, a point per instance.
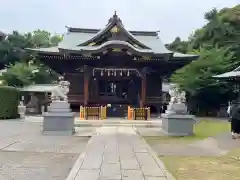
(138, 113)
(93, 113)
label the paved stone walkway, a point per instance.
(118, 153)
(25, 154)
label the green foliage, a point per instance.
(12, 49)
(9, 99)
(21, 73)
(42, 38)
(179, 46)
(198, 75)
(218, 44)
(14, 56)
(222, 29)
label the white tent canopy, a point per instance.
(228, 74)
(234, 73)
(39, 88)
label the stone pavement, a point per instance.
(25, 154)
(118, 153)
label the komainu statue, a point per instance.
(60, 92)
(177, 101)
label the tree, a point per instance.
(21, 74)
(13, 56)
(42, 38)
(55, 40)
(222, 29)
(196, 78)
(179, 46)
(198, 75)
(12, 49)
(218, 44)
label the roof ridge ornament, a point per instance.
(114, 18)
(115, 14)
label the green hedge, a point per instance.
(9, 100)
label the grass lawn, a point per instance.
(209, 168)
(204, 129)
(201, 168)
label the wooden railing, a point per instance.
(138, 113)
(93, 113)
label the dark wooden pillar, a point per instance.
(143, 91)
(161, 97)
(86, 85)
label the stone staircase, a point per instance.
(157, 123)
(152, 123)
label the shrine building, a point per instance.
(113, 66)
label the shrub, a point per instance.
(9, 99)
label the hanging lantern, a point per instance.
(108, 73)
(128, 73)
(101, 72)
(121, 73)
(115, 73)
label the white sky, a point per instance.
(172, 17)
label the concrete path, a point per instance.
(118, 153)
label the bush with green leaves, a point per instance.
(9, 100)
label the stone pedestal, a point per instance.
(176, 108)
(22, 111)
(59, 120)
(178, 125)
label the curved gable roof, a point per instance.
(82, 37)
(114, 21)
(79, 39)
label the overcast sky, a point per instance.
(172, 17)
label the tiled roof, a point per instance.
(56, 50)
(73, 39)
(77, 39)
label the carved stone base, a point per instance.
(178, 125)
(22, 111)
(59, 120)
(176, 108)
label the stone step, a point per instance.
(90, 123)
(107, 122)
(117, 125)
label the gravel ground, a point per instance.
(25, 154)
